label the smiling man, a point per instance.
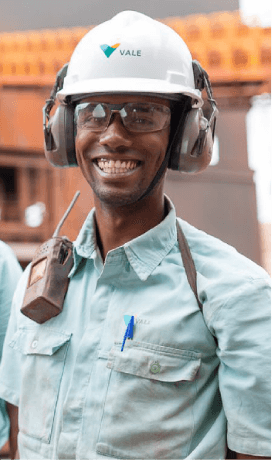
(119, 153)
(161, 349)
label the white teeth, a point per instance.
(116, 167)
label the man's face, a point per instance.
(119, 164)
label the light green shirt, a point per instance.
(172, 393)
(10, 272)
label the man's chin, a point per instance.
(115, 199)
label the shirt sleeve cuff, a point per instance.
(253, 446)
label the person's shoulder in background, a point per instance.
(10, 272)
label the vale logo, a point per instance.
(108, 50)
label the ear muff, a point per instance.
(192, 144)
(59, 142)
(59, 145)
(191, 150)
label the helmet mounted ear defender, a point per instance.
(141, 56)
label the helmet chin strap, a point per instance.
(156, 179)
(158, 175)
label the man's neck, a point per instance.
(117, 226)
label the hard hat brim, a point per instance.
(128, 85)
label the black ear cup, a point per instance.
(59, 143)
(192, 145)
(59, 139)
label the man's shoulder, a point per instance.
(214, 257)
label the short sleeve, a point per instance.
(242, 328)
(10, 369)
(10, 272)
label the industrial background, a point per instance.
(37, 38)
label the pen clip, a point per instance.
(129, 332)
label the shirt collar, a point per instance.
(144, 253)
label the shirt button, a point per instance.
(155, 367)
(34, 344)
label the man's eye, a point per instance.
(83, 119)
(90, 119)
(98, 118)
(143, 121)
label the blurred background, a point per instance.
(231, 39)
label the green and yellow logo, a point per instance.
(108, 50)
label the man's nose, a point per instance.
(116, 136)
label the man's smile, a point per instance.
(114, 167)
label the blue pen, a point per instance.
(129, 332)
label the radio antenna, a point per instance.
(56, 232)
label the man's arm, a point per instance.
(245, 457)
(242, 327)
(13, 433)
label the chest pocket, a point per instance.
(43, 357)
(148, 411)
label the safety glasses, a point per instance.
(136, 117)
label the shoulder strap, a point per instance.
(188, 262)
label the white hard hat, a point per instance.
(131, 53)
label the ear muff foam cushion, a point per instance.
(70, 137)
(190, 131)
(179, 113)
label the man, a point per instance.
(10, 272)
(132, 367)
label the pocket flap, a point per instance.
(157, 362)
(42, 341)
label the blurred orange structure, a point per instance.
(236, 57)
(226, 48)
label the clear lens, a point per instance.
(93, 116)
(147, 117)
(136, 117)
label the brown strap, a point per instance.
(188, 262)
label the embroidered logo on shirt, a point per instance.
(130, 320)
(137, 320)
(142, 321)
